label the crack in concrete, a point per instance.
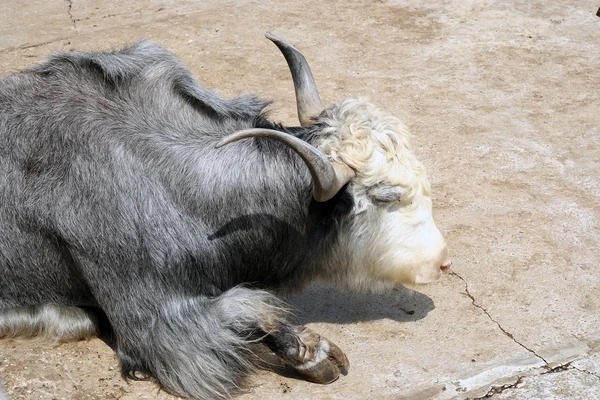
(585, 371)
(558, 368)
(494, 390)
(499, 389)
(546, 368)
(70, 2)
(29, 46)
(567, 367)
(510, 335)
(95, 32)
(129, 24)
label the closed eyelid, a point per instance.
(385, 193)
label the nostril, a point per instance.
(445, 267)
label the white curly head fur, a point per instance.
(392, 237)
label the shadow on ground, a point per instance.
(320, 303)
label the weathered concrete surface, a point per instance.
(570, 384)
(503, 98)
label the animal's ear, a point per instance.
(385, 193)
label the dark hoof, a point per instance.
(320, 360)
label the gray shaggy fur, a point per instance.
(49, 321)
(114, 198)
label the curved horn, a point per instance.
(328, 178)
(307, 96)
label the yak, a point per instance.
(131, 194)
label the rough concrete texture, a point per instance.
(503, 98)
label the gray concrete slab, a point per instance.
(503, 100)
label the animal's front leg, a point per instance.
(313, 356)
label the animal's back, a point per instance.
(76, 144)
(109, 158)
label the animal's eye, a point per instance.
(385, 193)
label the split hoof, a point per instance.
(319, 360)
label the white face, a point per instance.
(391, 237)
(410, 248)
(395, 243)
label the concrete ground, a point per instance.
(503, 98)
